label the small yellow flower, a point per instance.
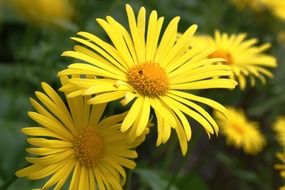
(75, 140)
(255, 5)
(281, 167)
(279, 128)
(245, 58)
(148, 70)
(277, 7)
(45, 12)
(240, 132)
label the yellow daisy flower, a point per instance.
(151, 72)
(42, 12)
(255, 5)
(281, 167)
(245, 59)
(277, 7)
(279, 128)
(241, 132)
(74, 140)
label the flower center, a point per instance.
(238, 129)
(89, 147)
(148, 79)
(222, 54)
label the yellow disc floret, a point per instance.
(89, 147)
(148, 79)
(222, 54)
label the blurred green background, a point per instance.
(30, 53)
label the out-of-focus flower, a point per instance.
(45, 12)
(245, 58)
(148, 71)
(281, 167)
(279, 128)
(255, 5)
(75, 140)
(277, 7)
(240, 132)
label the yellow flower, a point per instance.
(240, 132)
(277, 7)
(281, 167)
(42, 12)
(279, 128)
(149, 70)
(245, 59)
(73, 140)
(255, 5)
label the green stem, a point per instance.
(194, 142)
(8, 183)
(174, 176)
(170, 151)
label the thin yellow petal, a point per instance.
(51, 125)
(75, 177)
(107, 97)
(132, 114)
(145, 111)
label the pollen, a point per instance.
(222, 54)
(148, 79)
(89, 147)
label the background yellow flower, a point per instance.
(240, 132)
(255, 5)
(247, 60)
(277, 7)
(45, 12)
(279, 128)
(281, 167)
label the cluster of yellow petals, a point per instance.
(241, 132)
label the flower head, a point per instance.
(281, 167)
(279, 128)
(277, 7)
(76, 141)
(255, 5)
(42, 12)
(245, 59)
(241, 132)
(148, 70)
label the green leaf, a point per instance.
(154, 179)
(247, 175)
(192, 182)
